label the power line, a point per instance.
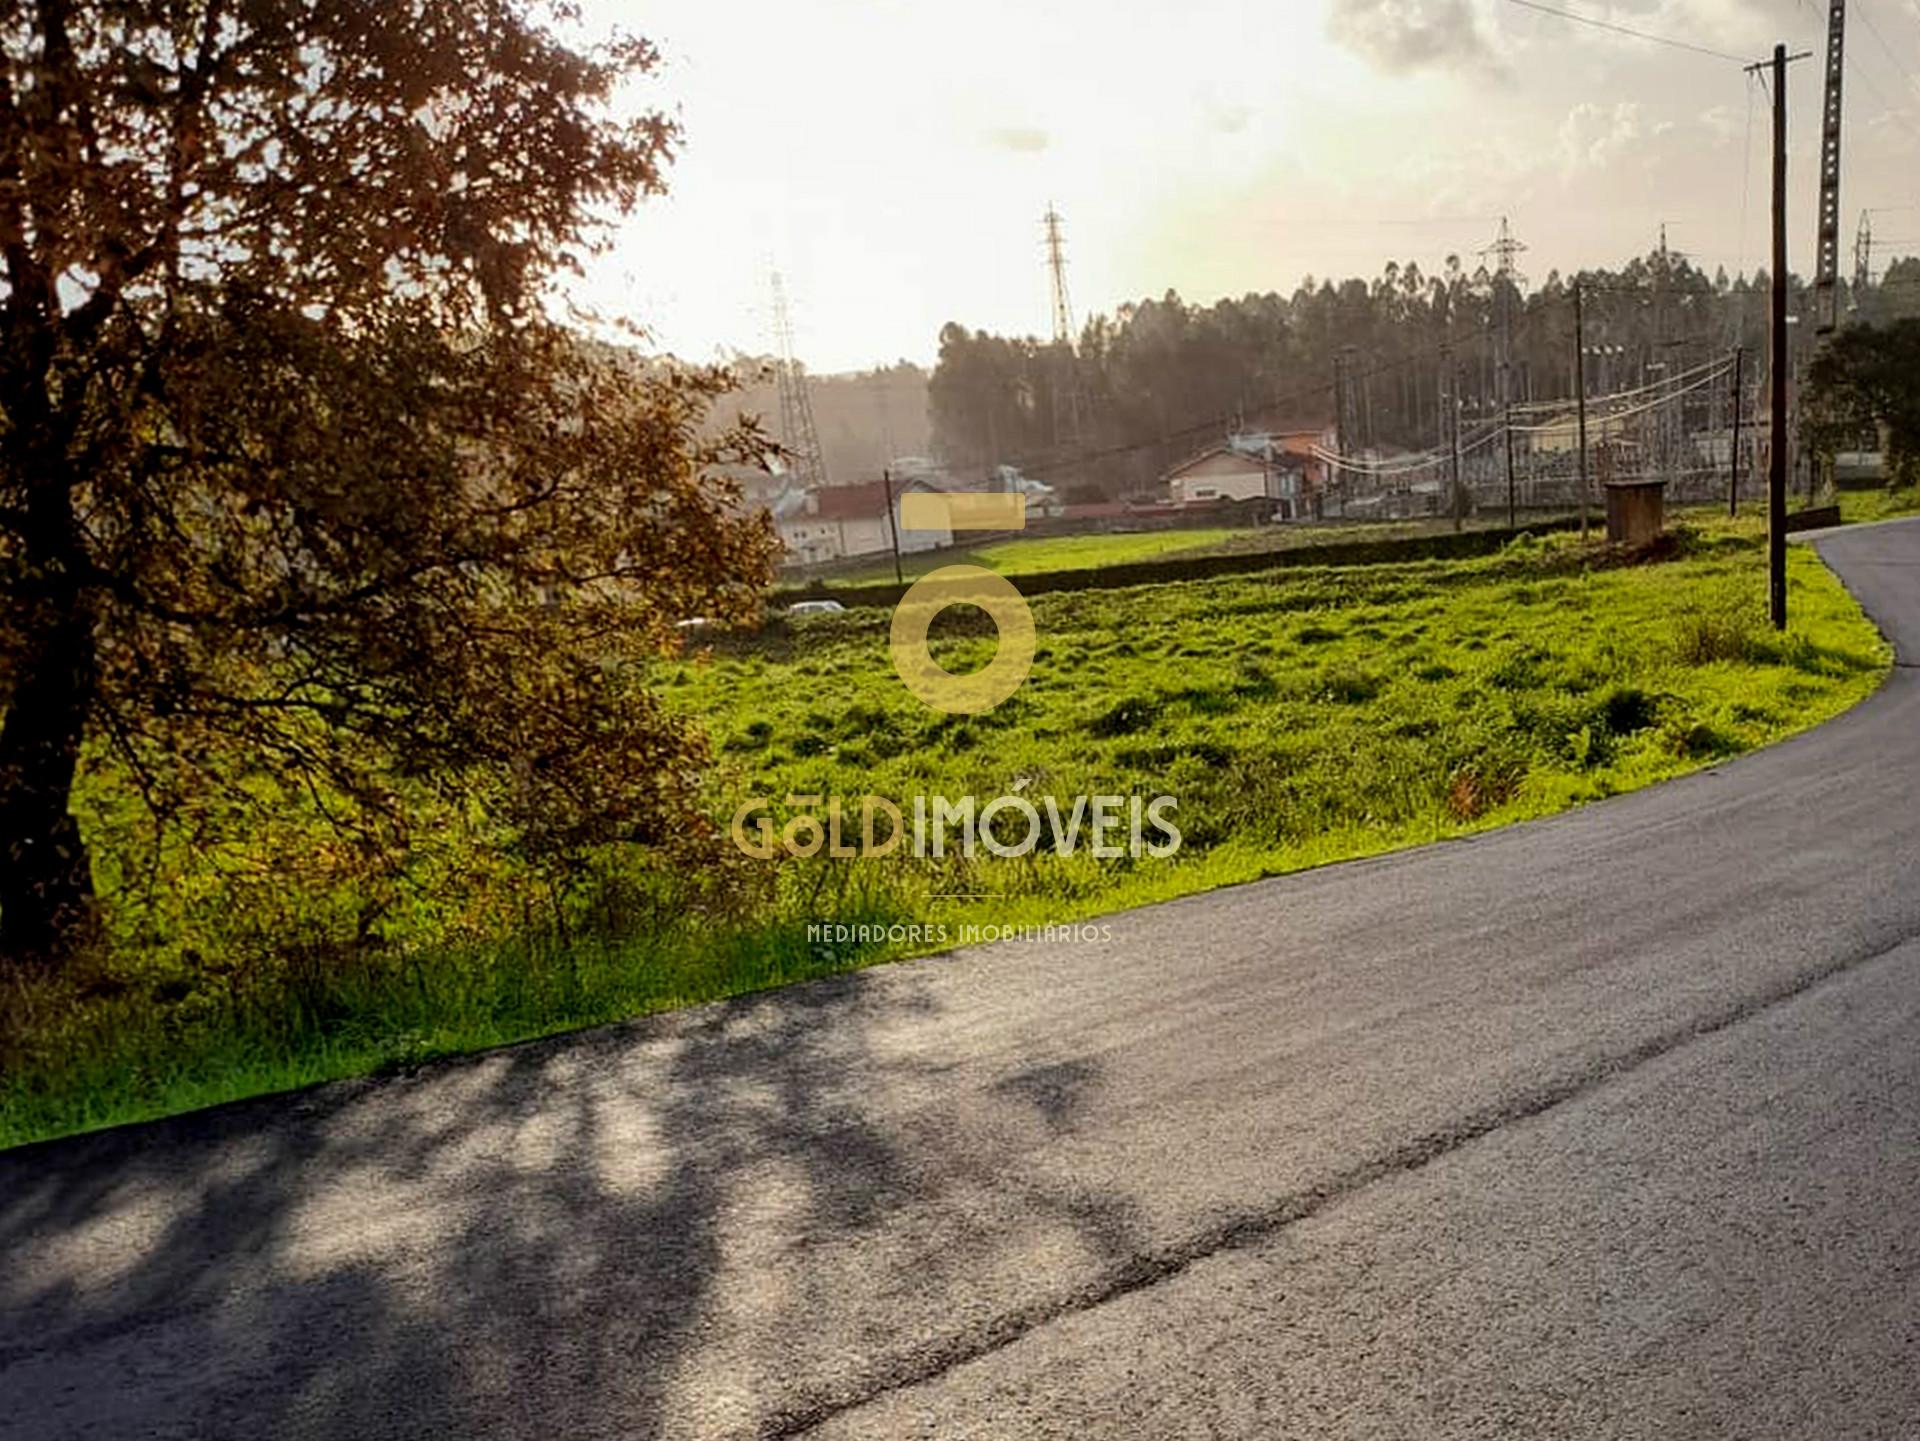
(1433, 220)
(1874, 30)
(1894, 110)
(1863, 74)
(1600, 24)
(1045, 461)
(1041, 462)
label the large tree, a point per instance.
(292, 457)
(1867, 377)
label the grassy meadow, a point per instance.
(1858, 506)
(1032, 555)
(1299, 716)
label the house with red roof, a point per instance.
(832, 522)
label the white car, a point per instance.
(815, 607)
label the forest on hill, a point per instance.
(1160, 379)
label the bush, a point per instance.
(1627, 709)
(1718, 632)
(1131, 715)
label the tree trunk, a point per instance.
(46, 884)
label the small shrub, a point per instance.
(862, 719)
(1130, 716)
(1627, 709)
(755, 737)
(1346, 685)
(1522, 671)
(1696, 740)
(1706, 634)
(1473, 790)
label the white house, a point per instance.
(1246, 467)
(830, 522)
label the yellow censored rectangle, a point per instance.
(962, 510)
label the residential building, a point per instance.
(1043, 501)
(1281, 468)
(831, 522)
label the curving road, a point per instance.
(1601, 1126)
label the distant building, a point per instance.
(1043, 501)
(1094, 512)
(918, 467)
(1859, 467)
(833, 522)
(1280, 468)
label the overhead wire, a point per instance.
(1609, 417)
(1874, 30)
(1528, 405)
(1619, 29)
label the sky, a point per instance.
(892, 158)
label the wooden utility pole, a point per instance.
(1458, 498)
(1733, 468)
(1341, 440)
(1777, 359)
(893, 525)
(1580, 397)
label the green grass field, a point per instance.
(1037, 554)
(1868, 505)
(1298, 716)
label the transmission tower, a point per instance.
(797, 432)
(1503, 250)
(1863, 256)
(1826, 277)
(1067, 406)
(1057, 276)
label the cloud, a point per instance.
(1726, 123)
(1021, 139)
(1402, 35)
(1592, 136)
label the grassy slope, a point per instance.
(1307, 717)
(1868, 505)
(1033, 555)
(1301, 717)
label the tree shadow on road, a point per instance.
(690, 1226)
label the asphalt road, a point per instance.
(1602, 1126)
